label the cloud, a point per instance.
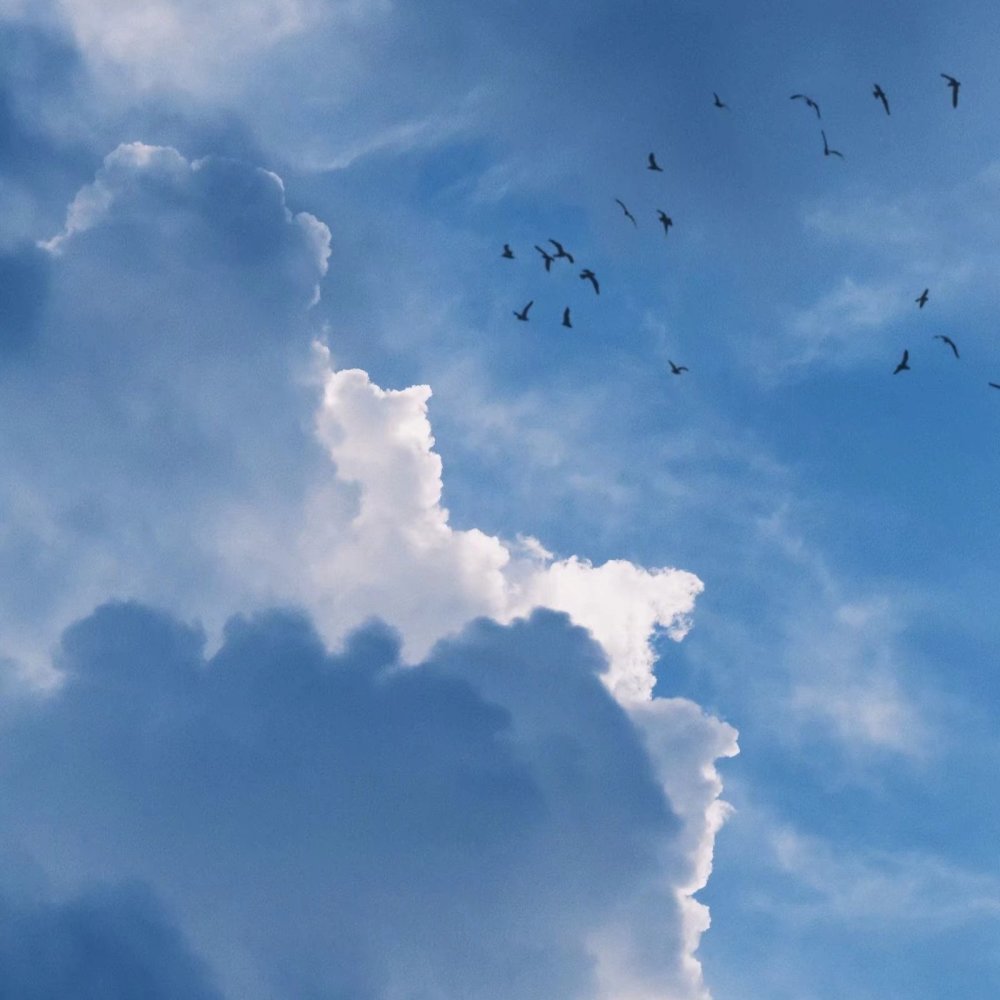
(225, 204)
(489, 823)
(192, 449)
(189, 281)
(110, 943)
(153, 380)
(24, 280)
(441, 577)
(182, 44)
(874, 886)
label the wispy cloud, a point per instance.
(877, 886)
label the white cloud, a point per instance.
(400, 558)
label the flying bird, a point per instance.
(587, 275)
(666, 220)
(546, 256)
(809, 103)
(676, 369)
(523, 314)
(954, 84)
(566, 321)
(904, 365)
(628, 214)
(507, 252)
(560, 252)
(827, 151)
(948, 341)
(719, 103)
(879, 94)
(921, 299)
(653, 165)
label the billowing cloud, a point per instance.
(490, 823)
(439, 576)
(191, 447)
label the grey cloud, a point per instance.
(109, 943)
(337, 825)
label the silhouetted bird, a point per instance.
(904, 365)
(560, 252)
(676, 369)
(589, 275)
(666, 220)
(954, 84)
(566, 321)
(809, 103)
(546, 256)
(948, 341)
(507, 252)
(653, 165)
(879, 94)
(718, 103)
(523, 314)
(827, 151)
(921, 299)
(628, 214)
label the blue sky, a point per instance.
(360, 641)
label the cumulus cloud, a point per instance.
(488, 824)
(430, 578)
(183, 442)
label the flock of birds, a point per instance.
(559, 252)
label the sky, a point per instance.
(361, 642)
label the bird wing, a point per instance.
(620, 202)
(906, 357)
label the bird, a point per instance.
(996, 385)
(628, 214)
(879, 94)
(587, 275)
(948, 341)
(523, 314)
(676, 369)
(809, 102)
(507, 252)
(719, 103)
(560, 252)
(653, 165)
(904, 365)
(666, 220)
(547, 257)
(954, 84)
(827, 151)
(566, 321)
(921, 299)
